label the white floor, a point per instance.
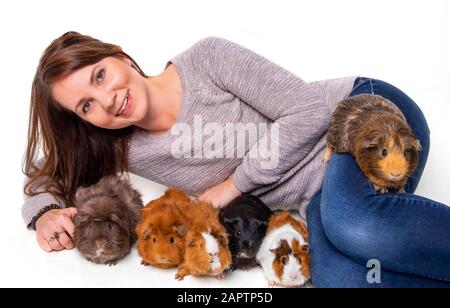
(24, 264)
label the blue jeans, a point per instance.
(350, 223)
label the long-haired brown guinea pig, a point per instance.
(206, 252)
(284, 252)
(377, 134)
(107, 215)
(162, 229)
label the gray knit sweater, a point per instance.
(230, 92)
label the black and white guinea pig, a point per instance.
(246, 219)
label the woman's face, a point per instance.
(108, 94)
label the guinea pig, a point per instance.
(162, 229)
(107, 213)
(377, 134)
(245, 219)
(206, 251)
(284, 252)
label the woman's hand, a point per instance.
(54, 229)
(222, 194)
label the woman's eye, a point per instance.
(100, 75)
(86, 107)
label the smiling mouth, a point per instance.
(124, 104)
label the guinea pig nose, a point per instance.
(293, 276)
(100, 243)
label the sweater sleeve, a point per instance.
(32, 204)
(298, 114)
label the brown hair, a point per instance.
(76, 153)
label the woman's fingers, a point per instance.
(53, 240)
(65, 241)
(71, 212)
(43, 243)
(52, 234)
(55, 229)
(66, 238)
(67, 224)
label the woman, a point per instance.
(98, 114)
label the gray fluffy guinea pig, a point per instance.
(376, 133)
(107, 214)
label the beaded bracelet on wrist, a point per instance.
(42, 211)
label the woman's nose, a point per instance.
(108, 101)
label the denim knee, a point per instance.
(393, 228)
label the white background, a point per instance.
(404, 42)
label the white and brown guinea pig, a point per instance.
(377, 134)
(206, 252)
(284, 255)
(107, 213)
(162, 229)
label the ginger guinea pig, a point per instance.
(377, 134)
(206, 251)
(284, 255)
(162, 229)
(245, 219)
(107, 215)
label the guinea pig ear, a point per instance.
(222, 240)
(305, 248)
(414, 143)
(119, 221)
(230, 221)
(80, 193)
(180, 229)
(146, 234)
(370, 143)
(191, 242)
(82, 218)
(259, 223)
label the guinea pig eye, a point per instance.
(239, 233)
(284, 260)
(171, 241)
(384, 152)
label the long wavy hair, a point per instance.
(75, 152)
